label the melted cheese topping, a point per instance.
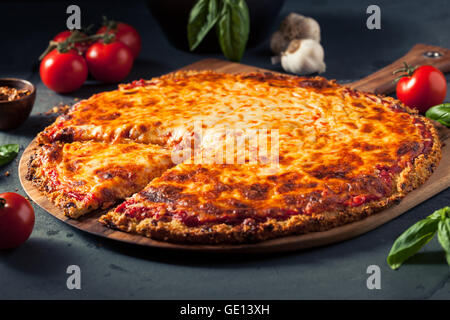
(334, 144)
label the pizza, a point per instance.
(80, 177)
(235, 158)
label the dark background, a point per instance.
(114, 270)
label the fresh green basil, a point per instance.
(232, 22)
(440, 113)
(444, 236)
(233, 28)
(411, 241)
(202, 18)
(8, 152)
(419, 234)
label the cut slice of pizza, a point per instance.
(80, 177)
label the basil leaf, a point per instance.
(233, 28)
(8, 152)
(440, 113)
(412, 240)
(444, 236)
(202, 18)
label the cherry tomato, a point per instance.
(110, 62)
(63, 72)
(426, 87)
(16, 220)
(81, 47)
(127, 35)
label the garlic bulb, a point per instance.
(303, 56)
(294, 26)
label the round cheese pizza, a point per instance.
(206, 157)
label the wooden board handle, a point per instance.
(381, 82)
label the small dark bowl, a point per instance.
(14, 113)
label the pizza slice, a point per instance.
(80, 177)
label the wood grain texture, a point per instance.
(382, 81)
(439, 181)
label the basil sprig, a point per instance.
(8, 152)
(419, 234)
(230, 19)
(440, 113)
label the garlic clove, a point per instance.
(303, 56)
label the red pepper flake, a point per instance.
(10, 94)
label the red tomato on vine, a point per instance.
(124, 33)
(109, 62)
(63, 72)
(421, 87)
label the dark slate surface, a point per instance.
(115, 270)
